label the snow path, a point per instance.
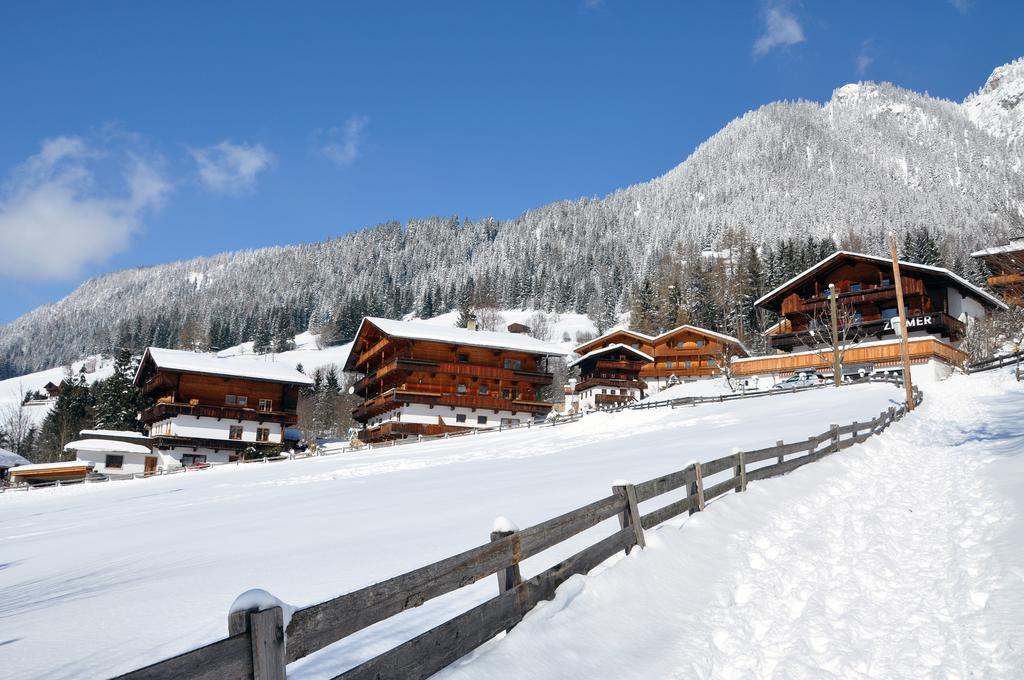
(894, 559)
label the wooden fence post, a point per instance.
(780, 444)
(509, 577)
(266, 636)
(741, 471)
(835, 437)
(630, 517)
(697, 489)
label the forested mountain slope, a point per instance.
(875, 157)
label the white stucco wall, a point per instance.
(211, 428)
(171, 458)
(133, 462)
(423, 414)
(964, 308)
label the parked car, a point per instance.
(798, 380)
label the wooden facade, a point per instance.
(938, 302)
(879, 355)
(422, 380)
(190, 394)
(681, 354)
(609, 376)
(1006, 270)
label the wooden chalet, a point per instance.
(609, 376)
(1006, 264)
(939, 304)
(682, 354)
(49, 473)
(426, 379)
(212, 410)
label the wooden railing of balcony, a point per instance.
(395, 397)
(619, 366)
(868, 293)
(888, 354)
(1006, 280)
(942, 323)
(169, 410)
(399, 367)
(599, 381)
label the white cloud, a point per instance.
(341, 145)
(781, 28)
(962, 6)
(53, 218)
(229, 168)
(864, 59)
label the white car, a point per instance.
(797, 380)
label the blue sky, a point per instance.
(139, 133)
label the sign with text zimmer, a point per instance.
(921, 321)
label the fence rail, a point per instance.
(257, 647)
(1011, 359)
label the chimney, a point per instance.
(471, 322)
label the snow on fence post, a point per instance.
(510, 577)
(630, 516)
(265, 628)
(697, 489)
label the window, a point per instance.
(509, 422)
(460, 388)
(460, 417)
(263, 434)
(114, 462)
(481, 420)
(669, 364)
(711, 362)
(854, 287)
(886, 282)
(700, 343)
(680, 343)
(230, 399)
(635, 345)
(890, 313)
(266, 405)
(235, 432)
(506, 393)
(243, 401)
(462, 358)
(483, 389)
(514, 364)
(686, 364)
(188, 459)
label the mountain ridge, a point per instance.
(873, 157)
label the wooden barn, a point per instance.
(939, 304)
(426, 379)
(211, 410)
(1006, 264)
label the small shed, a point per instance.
(519, 328)
(48, 473)
(115, 458)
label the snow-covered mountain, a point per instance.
(875, 157)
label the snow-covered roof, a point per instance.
(703, 331)
(418, 330)
(10, 459)
(236, 367)
(53, 466)
(107, 446)
(610, 348)
(1015, 246)
(610, 333)
(123, 434)
(883, 260)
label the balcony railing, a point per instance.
(599, 381)
(399, 367)
(935, 322)
(619, 366)
(394, 398)
(169, 410)
(1006, 280)
(867, 293)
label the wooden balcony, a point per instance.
(879, 355)
(1006, 280)
(867, 294)
(162, 411)
(398, 369)
(601, 381)
(938, 322)
(609, 366)
(612, 399)
(394, 398)
(171, 441)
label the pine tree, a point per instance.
(643, 312)
(118, 401)
(69, 415)
(262, 341)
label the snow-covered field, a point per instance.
(100, 579)
(899, 558)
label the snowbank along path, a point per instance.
(126, 574)
(899, 558)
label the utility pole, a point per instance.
(837, 366)
(901, 308)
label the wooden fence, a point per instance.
(256, 646)
(1011, 359)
